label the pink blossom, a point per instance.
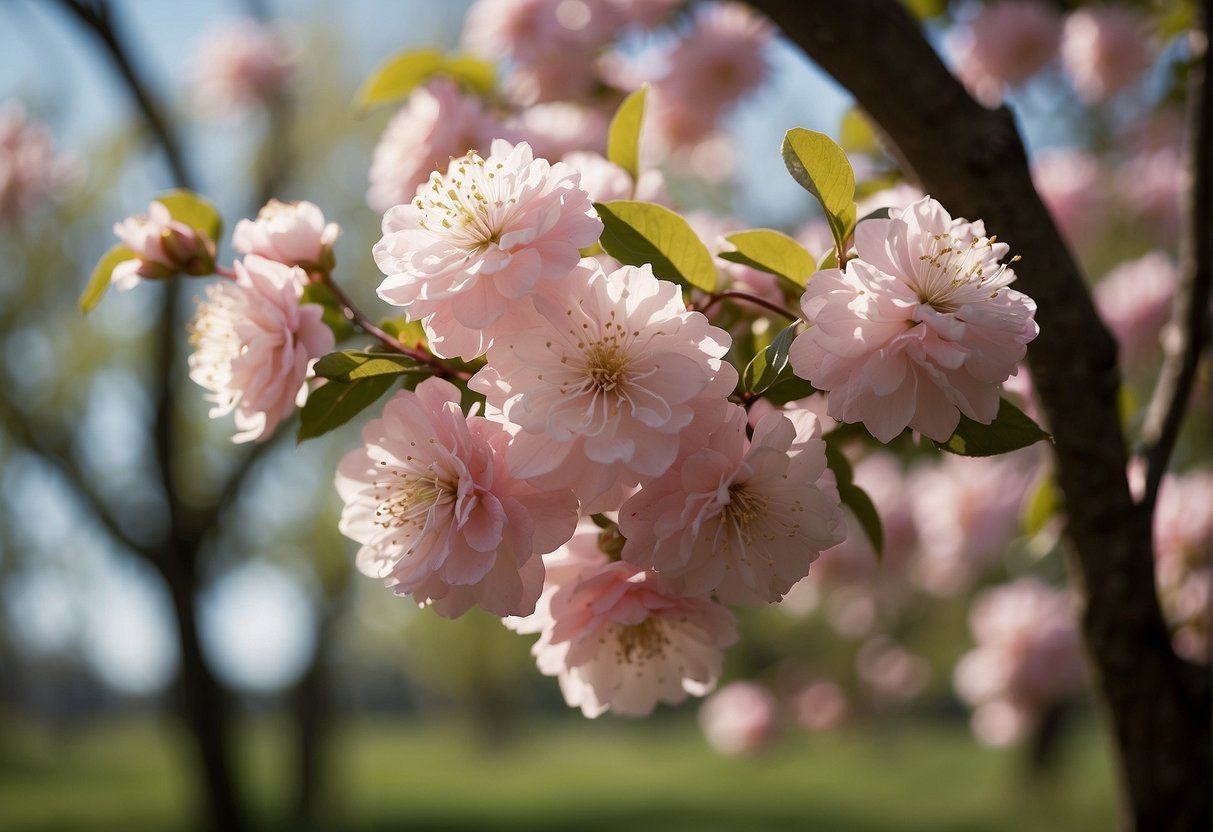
(1006, 44)
(647, 14)
(1183, 539)
(30, 170)
(891, 671)
(1028, 657)
(1070, 184)
(465, 255)
(821, 706)
(436, 123)
(559, 128)
(162, 247)
(966, 510)
(741, 518)
(900, 196)
(1105, 50)
(739, 719)
(292, 233)
(617, 639)
(605, 381)
(238, 64)
(254, 344)
(606, 181)
(918, 329)
(1135, 300)
(710, 69)
(438, 515)
(1149, 185)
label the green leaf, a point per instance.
(623, 137)
(764, 371)
(771, 252)
(409, 333)
(1011, 430)
(398, 77)
(101, 277)
(350, 365)
(477, 74)
(189, 208)
(822, 168)
(855, 133)
(636, 233)
(1041, 506)
(854, 497)
(789, 389)
(333, 404)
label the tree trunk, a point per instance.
(973, 161)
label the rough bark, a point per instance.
(973, 161)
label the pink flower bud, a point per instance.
(162, 247)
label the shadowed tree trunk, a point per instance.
(973, 161)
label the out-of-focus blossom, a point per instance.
(891, 671)
(254, 343)
(1070, 183)
(616, 639)
(239, 64)
(436, 124)
(1105, 49)
(919, 329)
(896, 198)
(646, 14)
(605, 181)
(1135, 301)
(1149, 185)
(1007, 43)
(739, 719)
(559, 128)
(604, 380)
(292, 233)
(710, 69)
(820, 706)
(438, 515)
(162, 247)
(1183, 546)
(1028, 657)
(30, 170)
(741, 518)
(966, 510)
(465, 255)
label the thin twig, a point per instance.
(717, 297)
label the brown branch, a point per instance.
(973, 161)
(1191, 310)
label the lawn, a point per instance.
(554, 775)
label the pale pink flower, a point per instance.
(891, 671)
(821, 706)
(920, 327)
(966, 511)
(1105, 49)
(239, 64)
(741, 718)
(816, 237)
(254, 343)
(1028, 657)
(465, 255)
(1007, 43)
(292, 233)
(436, 124)
(162, 247)
(605, 181)
(616, 639)
(1183, 543)
(559, 128)
(30, 169)
(1149, 186)
(606, 380)
(1135, 300)
(438, 515)
(1070, 184)
(717, 62)
(743, 518)
(900, 196)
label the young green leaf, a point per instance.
(477, 74)
(398, 77)
(189, 208)
(767, 366)
(822, 168)
(333, 404)
(635, 233)
(788, 388)
(1011, 430)
(771, 252)
(623, 137)
(100, 279)
(350, 365)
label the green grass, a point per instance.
(563, 775)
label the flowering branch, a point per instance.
(716, 297)
(1165, 415)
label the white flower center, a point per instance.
(406, 499)
(956, 273)
(470, 205)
